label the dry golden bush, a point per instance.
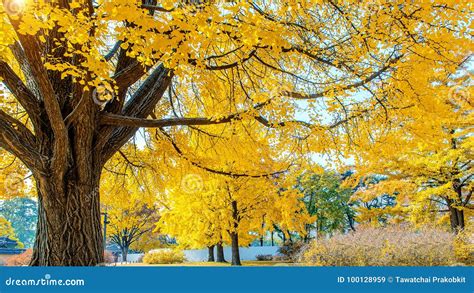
(390, 246)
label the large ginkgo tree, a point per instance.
(84, 76)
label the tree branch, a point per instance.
(140, 105)
(19, 141)
(130, 74)
(364, 81)
(24, 96)
(32, 53)
(112, 119)
(113, 51)
(220, 172)
(156, 8)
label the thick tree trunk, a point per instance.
(308, 233)
(210, 251)
(235, 249)
(351, 222)
(124, 246)
(220, 253)
(69, 228)
(456, 216)
(234, 235)
(124, 254)
(71, 142)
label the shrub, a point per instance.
(22, 259)
(291, 250)
(164, 256)
(464, 246)
(390, 246)
(264, 257)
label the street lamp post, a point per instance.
(105, 228)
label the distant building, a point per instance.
(8, 249)
(6, 242)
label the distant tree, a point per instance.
(22, 213)
(329, 201)
(127, 227)
(131, 211)
(6, 230)
(231, 211)
(377, 211)
(427, 156)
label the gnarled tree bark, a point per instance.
(69, 228)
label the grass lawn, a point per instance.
(246, 263)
